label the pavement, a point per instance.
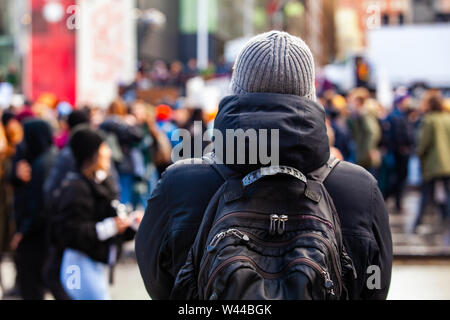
(432, 239)
(128, 283)
(420, 280)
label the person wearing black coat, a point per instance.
(64, 164)
(175, 210)
(400, 144)
(31, 167)
(90, 224)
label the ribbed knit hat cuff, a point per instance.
(236, 89)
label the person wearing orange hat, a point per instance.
(164, 118)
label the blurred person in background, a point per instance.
(31, 166)
(192, 119)
(89, 227)
(64, 164)
(123, 135)
(365, 129)
(45, 108)
(96, 114)
(223, 68)
(4, 212)
(362, 72)
(434, 152)
(130, 92)
(64, 109)
(331, 137)
(155, 150)
(26, 112)
(160, 73)
(400, 144)
(166, 119)
(13, 132)
(176, 76)
(447, 104)
(337, 113)
(373, 112)
(191, 70)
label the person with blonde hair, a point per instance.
(365, 128)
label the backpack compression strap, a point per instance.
(273, 171)
(226, 173)
(321, 174)
(257, 175)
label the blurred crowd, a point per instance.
(50, 152)
(405, 146)
(175, 75)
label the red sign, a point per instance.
(51, 62)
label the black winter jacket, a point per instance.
(81, 204)
(29, 198)
(176, 208)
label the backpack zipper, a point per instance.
(277, 224)
(247, 237)
(222, 235)
(274, 220)
(328, 283)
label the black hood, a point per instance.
(38, 138)
(301, 123)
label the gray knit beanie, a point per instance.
(275, 62)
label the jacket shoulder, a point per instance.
(355, 194)
(350, 170)
(187, 168)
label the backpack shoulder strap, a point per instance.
(224, 171)
(234, 189)
(321, 174)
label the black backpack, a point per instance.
(273, 235)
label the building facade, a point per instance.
(159, 42)
(313, 20)
(11, 23)
(431, 11)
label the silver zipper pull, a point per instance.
(215, 241)
(329, 284)
(282, 224)
(239, 234)
(274, 219)
(220, 236)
